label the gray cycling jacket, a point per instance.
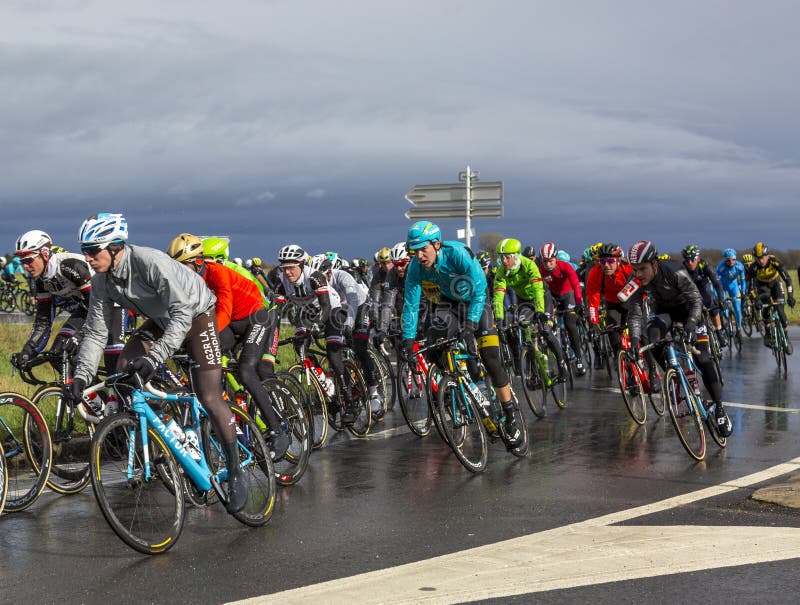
(152, 284)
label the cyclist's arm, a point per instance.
(499, 293)
(320, 285)
(593, 283)
(95, 330)
(786, 278)
(573, 280)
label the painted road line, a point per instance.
(581, 554)
(766, 408)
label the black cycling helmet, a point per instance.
(609, 250)
(642, 252)
(529, 252)
(691, 252)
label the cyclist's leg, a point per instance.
(616, 314)
(566, 302)
(361, 349)
(334, 343)
(266, 367)
(736, 299)
(711, 380)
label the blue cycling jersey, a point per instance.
(729, 275)
(458, 277)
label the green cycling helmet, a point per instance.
(509, 246)
(215, 248)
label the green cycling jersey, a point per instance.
(525, 280)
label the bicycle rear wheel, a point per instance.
(359, 400)
(146, 513)
(71, 436)
(255, 460)
(657, 400)
(558, 389)
(747, 319)
(28, 454)
(630, 384)
(462, 424)
(386, 378)
(413, 398)
(684, 414)
(533, 385)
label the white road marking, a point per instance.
(766, 408)
(581, 554)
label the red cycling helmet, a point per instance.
(548, 250)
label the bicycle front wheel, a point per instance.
(413, 398)
(28, 453)
(293, 464)
(533, 383)
(630, 384)
(462, 424)
(3, 478)
(71, 436)
(359, 400)
(684, 414)
(316, 405)
(147, 513)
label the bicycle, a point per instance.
(634, 380)
(466, 415)
(383, 367)
(681, 390)
(70, 433)
(138, 484)
(714, 346)
(416, 392)
(328, 402)
(602, 344)
(749, 317)
(28, 451)
(732, 330)
(775, 336)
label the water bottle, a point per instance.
(324, 380)
(96, 403)
(173, 428)
(691, 376)
(192, 443)
(329, 385)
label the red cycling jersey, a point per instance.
(237, 296)
(598, 283)
(562, 279)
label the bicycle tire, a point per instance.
(657, 400)
(416, 410)
(359, 401)
(630, 384)
(747, 319)
(462, 425)
(3, 478)
(294, 463)
(558, 390)
(148, 515)
(684, 415)
(317, 404)
(432, 388)
(28, 454)
(533, 385)
(256, 462)
(387, 378)
(7, 301)
(69, 472)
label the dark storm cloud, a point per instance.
(308, 121)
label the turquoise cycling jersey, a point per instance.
(458, 277)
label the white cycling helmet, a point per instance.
(103, 229)
(344, 263)
(398, 252)
(3, 261)
(320, 262)
(237, 260)
(292, 254)
(30, 242)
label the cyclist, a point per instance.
(522, 276)
(356, 298)
(605, 279)
(563, 255)
(180, 311)
(763, 284)
(320, 308)
(361, 270)
(530, 253)
(216, 249)
(257, 269)
(391, 305)
(242, 319)
(707, 282)
(378, 280)
(673, 297)
(562, 281)
(732, 275)
(61, 280)
(462, 308)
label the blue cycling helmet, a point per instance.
(423, 233)
(563, 255)
(728, 253)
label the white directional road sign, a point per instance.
(424, 195)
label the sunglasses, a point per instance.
(28, 260)
(607, 260)
(508, 255)
(93, 250)
(285, 268)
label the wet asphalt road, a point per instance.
(391, 499)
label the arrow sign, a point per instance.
(418, 214)
(422, 195)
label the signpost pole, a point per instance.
(467, 233)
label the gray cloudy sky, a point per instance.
(307, 121)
